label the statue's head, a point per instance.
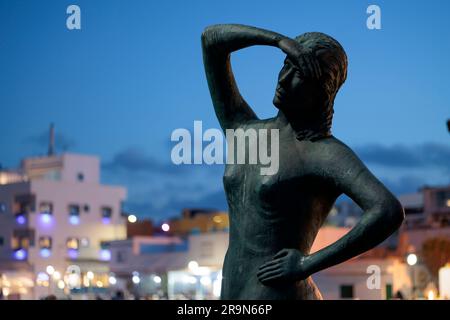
(309, 98)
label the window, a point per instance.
(388, 291)
(20, 243)
(74, 210)
(86, 208)
(106, 212)
(72, 243)
(2, 241)
(442, 198)
(45, 242)
(2, 207)
(46, 207)
(106, 215)
(346, 291)
(120, 258)
(22, 238)
(80, 176)
(74, 214)
(24, 203)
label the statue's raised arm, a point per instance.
(218, 42)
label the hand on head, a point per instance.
(301, 57)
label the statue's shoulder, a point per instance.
(257, 124)
(336, 153)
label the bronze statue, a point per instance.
(275, 219)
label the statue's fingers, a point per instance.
(281, 253)
(270, 263)
(269, 277)
(268, 268)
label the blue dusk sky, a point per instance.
(118, 87)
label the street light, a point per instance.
(411, 259)
(50, 269)
(193, 265)
(157, 279)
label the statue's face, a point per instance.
(293, 91)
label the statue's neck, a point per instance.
(304, 128)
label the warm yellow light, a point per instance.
(86, 282)
(99, 284)
(61, 284)
(132, 218)
(72, 243)
(217, 219)
(430, 295)
(448, 202)
(6, 292)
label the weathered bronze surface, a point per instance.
(275, 219)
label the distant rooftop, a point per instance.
(412, 200)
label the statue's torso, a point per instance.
(269, 213)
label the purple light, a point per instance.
(106, 220)
(105, 255)
(74, 220)
(20, 254)
(46, 218)
(73, 253)
(45, 253)
(20, 219)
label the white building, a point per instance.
(59, 215)
(189, 268)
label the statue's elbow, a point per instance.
(207, 36)
(395, 213)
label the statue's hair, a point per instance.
(333, 63)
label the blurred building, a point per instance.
(198, 221)
(170, 266)
(428, 208)
(365, 278)
(140, 228)
(55, 217)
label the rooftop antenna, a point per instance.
(51, 142)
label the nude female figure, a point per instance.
(275, 219)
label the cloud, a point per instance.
(41, 141)
(159, 189)
(134, 159)
(425, 155)
(404, 184)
